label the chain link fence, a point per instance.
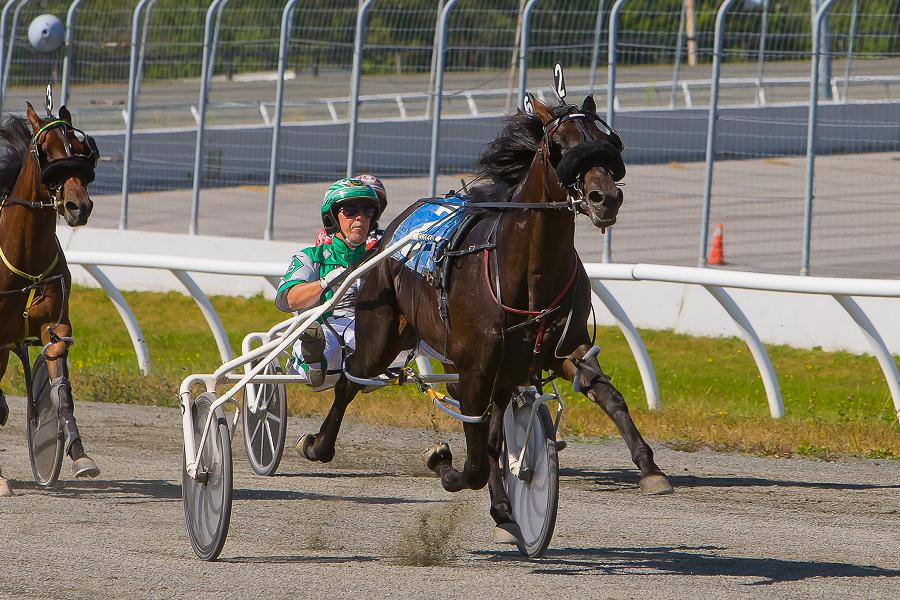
(664, 51)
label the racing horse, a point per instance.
(45, 167)
(517, 301)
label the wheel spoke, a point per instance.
(256, 430)
(271, 442)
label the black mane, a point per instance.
(15, 139)
(506, 159)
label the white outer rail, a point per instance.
(713, 280)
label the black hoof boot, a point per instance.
(437, 454)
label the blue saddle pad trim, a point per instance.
(438, 218)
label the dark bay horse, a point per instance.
(45, 168)
(517, 306)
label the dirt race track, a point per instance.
(374, 524)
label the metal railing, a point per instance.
(715, 282)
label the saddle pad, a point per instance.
(438, 218)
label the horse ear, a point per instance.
(540, 109)
(589, 105)
(65, 115)
(32, 117)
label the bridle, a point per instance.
(579, 117)
(54, 173)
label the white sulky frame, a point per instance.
(278, 339)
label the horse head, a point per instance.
(65, 158)
(586, 154)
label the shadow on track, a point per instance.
(128, 490)
(614, 479)
(277, 560)
(246, 494)
(688, 560)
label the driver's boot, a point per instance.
(312, 347)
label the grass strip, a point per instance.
(712, 394)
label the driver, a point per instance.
(350, 214)
(376, 184)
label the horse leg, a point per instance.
(506, 531)
(4, 408)
(381, 336)
(320, 446)
(596, 386)
(477, 470)
(61, 393)
(5, 489)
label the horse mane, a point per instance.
(15, 139)
(506, 160)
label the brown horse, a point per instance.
(517, 305)
(45, 168)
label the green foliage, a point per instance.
(400, 35)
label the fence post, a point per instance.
(811, 133)
(679, 47)
(286, 21)
(711, 130)
(611, 96)
(354, 83)
(595, 49)
(761, 59)
(201, 110)
(9, 52)
(438, 93)
(132, 105)
(67, 58)
(3, 14)
(853, 15)
(523, 51)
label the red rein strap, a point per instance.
(540, 333)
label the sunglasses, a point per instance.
(351, 210)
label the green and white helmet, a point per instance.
(344, 190)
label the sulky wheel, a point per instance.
(207, 499)
(534, 498)
(44, 430)
(266, 429)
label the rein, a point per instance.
(539, 315)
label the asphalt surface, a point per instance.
(375, 524)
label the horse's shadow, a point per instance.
(289, 559)
(127, 490)
(259, 494)
(687, 560)
(614, 479)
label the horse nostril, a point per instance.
(598, 197)
(72, 208)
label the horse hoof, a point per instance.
(506, 533)
(304, 446)
(5, 488)
(437, 454)
(656, 485)
(85, 467)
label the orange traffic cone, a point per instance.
(717, 253)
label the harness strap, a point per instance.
(539, 315)
(32, 278)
